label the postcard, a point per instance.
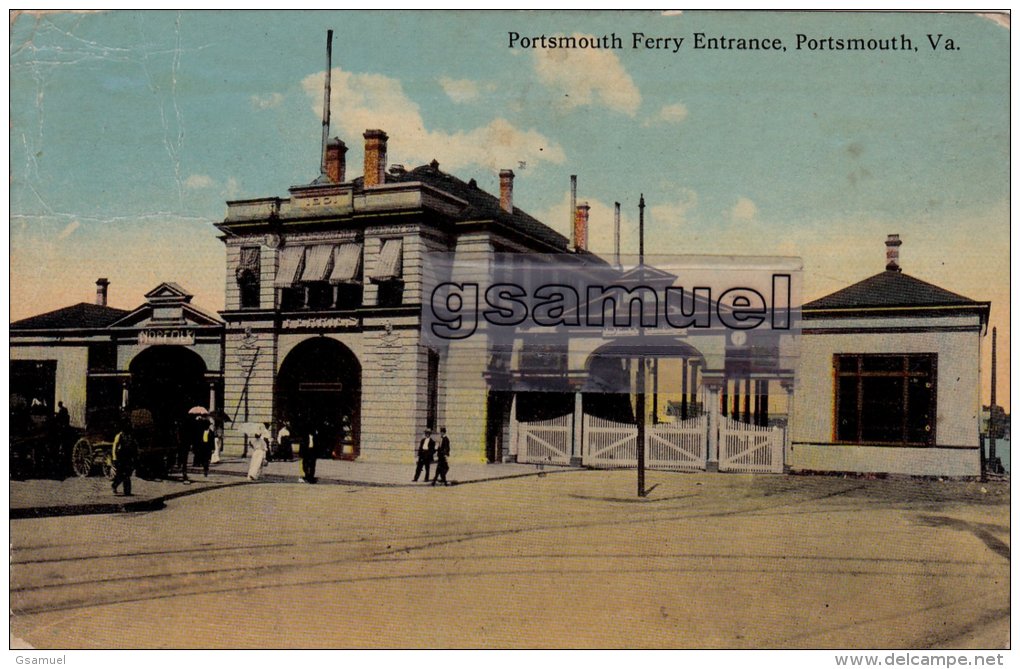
(510, 330)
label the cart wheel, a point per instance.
(81, 457)
(108, 467)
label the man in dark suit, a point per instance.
(442, 466)
(426, 448)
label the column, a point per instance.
(713, 386)
(513, 429)
(683, 390)
(212, 396)
(788, 440)
(577, 443)
(747, 401)
(124, 394)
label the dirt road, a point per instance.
(567, 560)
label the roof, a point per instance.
(481, 205)
(81, 315)
(891, 289)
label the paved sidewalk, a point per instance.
(39, 498)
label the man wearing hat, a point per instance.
(426, 448)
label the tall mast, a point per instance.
(616, 235)
(325, 102)
(641, 231)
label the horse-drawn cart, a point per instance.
(93, 452)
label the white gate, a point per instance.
(546, 441)
(608, 443)
(749, 448)
(681, 445)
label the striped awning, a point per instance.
(291, 261)
(318, 260)
(390, 264)
(346, 263)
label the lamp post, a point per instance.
(640, 408)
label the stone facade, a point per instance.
(395, 218)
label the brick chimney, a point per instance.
(892, 253)
(506, 191)
(102, 290)
(336, 160)
(581, 227)
(375, 158)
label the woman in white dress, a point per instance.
(260, 447)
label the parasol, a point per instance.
(198, 411)
(252, 429)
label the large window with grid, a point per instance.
(886, 398)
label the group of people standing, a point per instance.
(260, 443)
(200, 435)
(204, 440)
(427, 450)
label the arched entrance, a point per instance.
(167, 380)
(318, 391)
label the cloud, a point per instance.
(199, 181)
(674, 113)
(232, 188)
(361, 101)
(464, 90)
(744, 210)
(1002, 18)
(69, 229)
(266, 101)
(587, 77)
(674, 215)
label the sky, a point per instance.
(130, 130)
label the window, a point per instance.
(885, 399)
(347, 276)
(391, 293)
(247, 274)
(388, 273)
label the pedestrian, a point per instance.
(426, 448)
(63, 418)
(184, 439)
(260, 446)
(205, 441)
(306, 450)
(285, 447)
(217, 429)
(442, 456)
(125, 451)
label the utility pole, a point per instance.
(992, 428)
(640, 408)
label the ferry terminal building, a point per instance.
(321, 329)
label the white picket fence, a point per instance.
(749, 448)
(545, 441)
(608, 443)
(680, 445)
